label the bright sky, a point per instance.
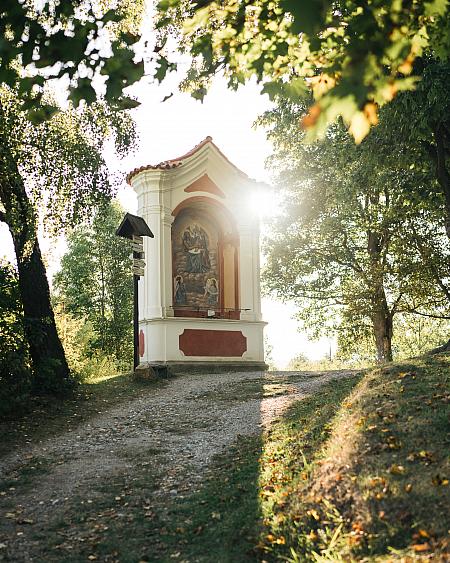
(170, 129)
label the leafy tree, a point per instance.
(418, 335)
(78, 40)
(77, 335)
(95, 283)
(422, 119)
(15, 372)
(353, 55)
(356, 243)
(58, 164)
(55, 168)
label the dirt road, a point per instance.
(167, 437)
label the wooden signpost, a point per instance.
(135, 228)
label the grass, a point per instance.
(372, 482)
(356, 472)
(47, 416)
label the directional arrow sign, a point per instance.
(138, 271)
(138, 263)
(137, 238)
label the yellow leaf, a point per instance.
(421, 547)
(396, 469)
(314, 514)
(359, 126)
(371, 112)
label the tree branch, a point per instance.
(415, 312)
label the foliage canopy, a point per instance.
(95, 283)
(353, 55)
(82, 41)
(358, 242)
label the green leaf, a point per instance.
(127, 103)
(307, 14)
(112, 16)
(272, 89)
(42, 113)
(436, 7)
(164, 5)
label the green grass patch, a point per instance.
(377, 486)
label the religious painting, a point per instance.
(195, 243)
(195, 261)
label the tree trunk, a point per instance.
(382, 329)
(51, 372)
(442, 174)
(382, 317)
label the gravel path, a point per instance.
(177, 429)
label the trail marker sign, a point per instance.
(135, 228)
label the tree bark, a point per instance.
(51, 372)
(382, 329)
(442, 174)
(382, 317)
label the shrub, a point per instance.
(15, 370)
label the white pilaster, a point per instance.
(246, 272)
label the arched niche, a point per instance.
(205, 258)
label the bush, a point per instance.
(15, 370)
(77, 335)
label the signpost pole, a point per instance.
(135, 228)
(135, 322)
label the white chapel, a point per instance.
(199, 300)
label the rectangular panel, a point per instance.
(226, 343)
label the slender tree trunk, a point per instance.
(442, 174)
(443, 177)
(102, 304)
(51, 372)
(382, 329)
(381, 315)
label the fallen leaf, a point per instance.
(25, 521)
(314, 514)
(421, 547)
(397, 469)
(437, 481)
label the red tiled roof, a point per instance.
(175, 162)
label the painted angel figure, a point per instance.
(211, 291)
(179, 291)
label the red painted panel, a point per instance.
(205, 184)
(141, 344)
(227, 343)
